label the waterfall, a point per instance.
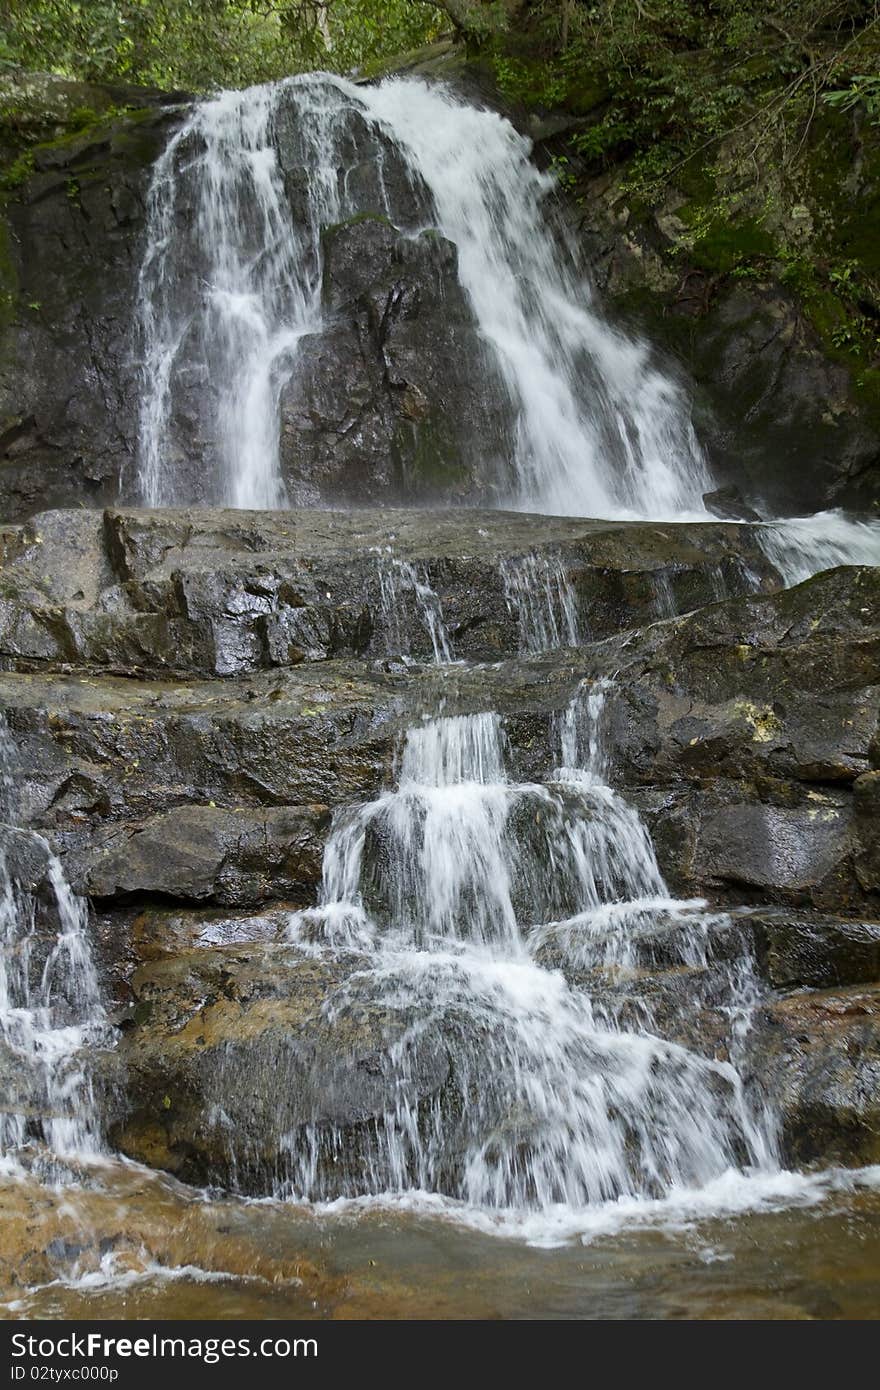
(51, 1015)
(600, 431)
(399, 581)
(231, 279)
(230, 283)
(506, 921)
(470, 898)
(540, 595)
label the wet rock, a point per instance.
(818, 1054)
(237, 1058)
(743, 732)
(867, 812)
(805, 950)
(729, 503)
(398, 398)
(74, 1230)
(211, 592)
(111, 750)
(792, 850)
(25, 859)
(205, 853)
(68, 395)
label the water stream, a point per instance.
(51, 1014)
(475, 898)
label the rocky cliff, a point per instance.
(193, 694)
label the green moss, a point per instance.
(17, 173)
(866, 389)
(726, 245)
(84, 128)
(336, 227)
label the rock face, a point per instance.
(396, 397)
(820, 1054)
(71, 239)
(192, 696)
(787, 413)
(210, 1022)
(229, 593)
(742, 730)
(750, 735)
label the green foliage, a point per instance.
(204, 44)
(14, 175)
(864, 91)
(667, 80)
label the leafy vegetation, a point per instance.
(202, 44)
(671, 79)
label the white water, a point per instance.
(231, 281)
(401, 584)
(453, 888)
(600, 431)
(468, 898)
(51, 1015)
(803, 546)
(540, 595)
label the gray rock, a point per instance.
(68, 394)
(206, 853)
(728, 503)
(210, 592)
(804, 950)
(818, 1056)
(236, 1065)
(397, 398)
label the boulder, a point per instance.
(396, 397)
(206, 853)
(239, 1069)
(818, 1055)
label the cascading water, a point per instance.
(399, 581)
(231, 281)
(51, 1015)
(540, 595)
(802, 546)
(456, 885)
(504, 921)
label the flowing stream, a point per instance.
(51, 1015)
(476, 899)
